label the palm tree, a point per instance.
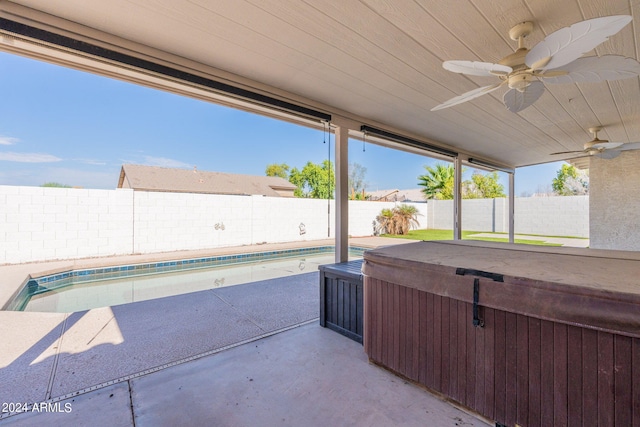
(438, 183)
(385, 222)
(398, 220)
(406, 218)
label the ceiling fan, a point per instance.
(603, 148)
(556, 59)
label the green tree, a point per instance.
(438, 182)
(570, 181)
(356, 181)
(55, 184)
(484, 187)
(278, 169)
(316, 181)
(359, 196)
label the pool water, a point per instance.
(77, 291)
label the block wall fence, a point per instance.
(551, 216)
(38, 223)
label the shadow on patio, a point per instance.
(243, 355)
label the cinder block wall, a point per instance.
(173, 221)
(440, 214)
(554, 216)
(479, 214)
(615, 182)
(38, 224)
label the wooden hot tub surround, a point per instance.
(553, 337)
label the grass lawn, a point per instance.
(448, 235)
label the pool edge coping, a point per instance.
(14, 276)
(254, 255)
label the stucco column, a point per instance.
(614, 202)
(342, 194)
(457, 198)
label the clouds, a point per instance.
(92, 162)
(11, 156)
(36, 175)
(7, 140)
(165, 162)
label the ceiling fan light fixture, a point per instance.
(519, 81)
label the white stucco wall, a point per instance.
(615, 202)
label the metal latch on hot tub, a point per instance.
(476, 289)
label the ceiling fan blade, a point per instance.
(605, 145)
(475, 68)
(568, 152)
(516, 101)
(608, 154)
(468, 96)
(570, 43)
(595, 69)
(540, 63)
(629, 146)
(550, 73)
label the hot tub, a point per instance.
(523, 335)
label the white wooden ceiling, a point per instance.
(381, 60)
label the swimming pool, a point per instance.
(79, 290)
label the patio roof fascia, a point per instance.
(233, 91)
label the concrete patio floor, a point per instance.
(243, 355)
(307, 376)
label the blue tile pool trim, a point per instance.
(38, 285)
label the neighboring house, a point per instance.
(174, 180)
(411, 195)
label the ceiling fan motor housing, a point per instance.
(520, 77)
(593, 146)
(516, 59)
(520, 81)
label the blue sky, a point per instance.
(76, 128)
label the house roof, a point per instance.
(409, 195)
(154, 178)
